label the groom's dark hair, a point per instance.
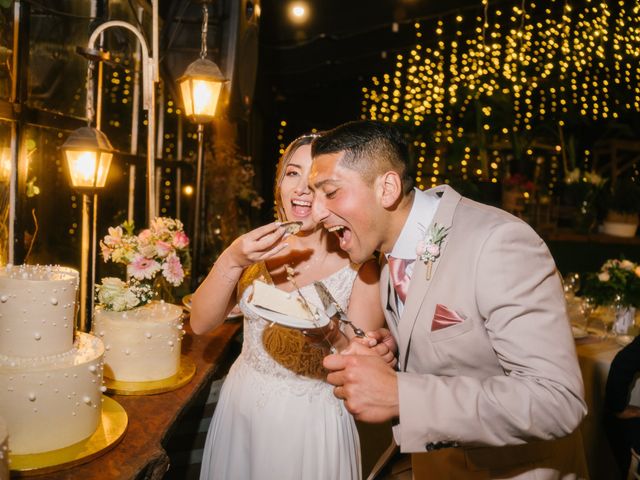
(370, 148)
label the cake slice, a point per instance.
(272, 298)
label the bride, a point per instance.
(277, 418)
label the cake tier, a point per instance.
(141, 345)
(4, 451)
(37, 310)
(52, 402)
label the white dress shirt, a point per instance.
(422, 211)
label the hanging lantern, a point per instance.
(201, 85)
(88, 153)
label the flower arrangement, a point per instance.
(428, 249)
(617, 283)
(158, 254)
(114, 294)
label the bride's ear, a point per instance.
(389, 188)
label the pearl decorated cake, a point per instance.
(51, 379)
(141, 344)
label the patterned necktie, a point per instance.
(399, 277)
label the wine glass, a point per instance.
(608, 319)
(571, 284)
(587, 307)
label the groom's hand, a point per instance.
(366, 383)
(374, 344)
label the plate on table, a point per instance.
(286, 320)
(578, 332)
(186, 301)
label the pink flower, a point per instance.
(433, 249)
(114, 237)
(420, 248)
(604, 276)
(144, 237)
(172, 270)
(180, 240)
(143, 268)
(106, 251)
(163, 248)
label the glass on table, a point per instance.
(571, 284)
(608, 318)
(587, 307)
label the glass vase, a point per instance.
(624, 319)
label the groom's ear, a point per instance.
(389, 188)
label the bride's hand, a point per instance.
(257, 245)
(379, 342)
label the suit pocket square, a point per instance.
(444, 318)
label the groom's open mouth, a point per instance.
(343, 234)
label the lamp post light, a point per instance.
(149, 78)
(88, 153)
(200, 86)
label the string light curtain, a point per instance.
(509, 72)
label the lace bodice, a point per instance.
(255, 356)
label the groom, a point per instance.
(487, 383)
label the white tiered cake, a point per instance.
(52, 380)
(142, 344)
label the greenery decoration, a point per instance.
(617, 283)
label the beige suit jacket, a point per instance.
(504, 382)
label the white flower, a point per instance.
(627, 265)
(604, 276)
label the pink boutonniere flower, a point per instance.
(430, 247)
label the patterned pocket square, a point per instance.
(444, 318)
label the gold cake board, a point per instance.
(186, 371)
(110, 431)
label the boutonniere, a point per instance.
(430, 246)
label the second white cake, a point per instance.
(142, 344)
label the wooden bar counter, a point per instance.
(140, 454)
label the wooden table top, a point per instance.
(140, 453)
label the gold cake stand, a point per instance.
(108, 434)
(186, 371)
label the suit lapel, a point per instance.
(419, 286)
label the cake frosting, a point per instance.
(272, 298)
(37, 310)
(4, 451)
(141, 344)
(51, 379)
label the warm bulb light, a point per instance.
(88, 153)
(5, 164)
(299, 12)
(88, 169)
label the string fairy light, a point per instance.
(488, 79)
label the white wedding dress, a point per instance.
(271, 423)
